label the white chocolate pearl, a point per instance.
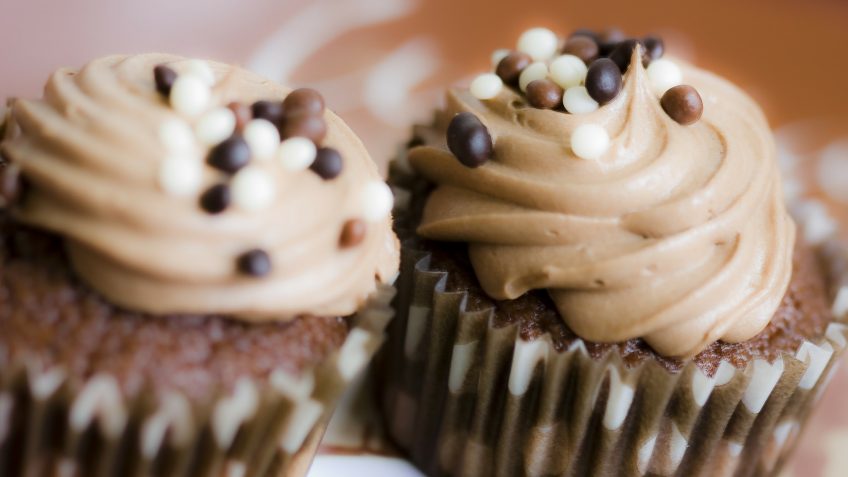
(297, 153)
(568, 71)
(377, 201)
(190, 95)
(589, 141)
(535, 71)
(176, 135)
(664, 74)
(486, 86)
(539, 43)
(180, 176)
(576, 100)
(498, 55)
(215, 126)
(201, 69)
(252, 189)
(262, 137)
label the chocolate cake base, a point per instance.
(89, 389)
(46, 314)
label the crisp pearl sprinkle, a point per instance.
(190, 95)
(262, 137)
(590, 141)
(377, 201)
(663, 75)
(540, 43)
(486, 86)
(180, 176)
(201, 70)
(297, 153)
(576, 100)
(252, 189)
(535, 71)
(568, 71)
(215, 126)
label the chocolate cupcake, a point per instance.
(599, 275)
(194, 264)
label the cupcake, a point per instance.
(599, 275)
(195, 264)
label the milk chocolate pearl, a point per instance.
(609, 39)
(353, 233)
(683, 104)
(603, 80)
(586, 32)
(308, 126)
(469, 140)
(544, 94)
(511, 66)
(654, 47)
(623, 52)
(303, 101)
(582, 47)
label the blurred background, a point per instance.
(383, 64)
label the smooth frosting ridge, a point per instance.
(90, 151)
(677, 234)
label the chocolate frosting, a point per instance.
(678, 234)
(90, 152)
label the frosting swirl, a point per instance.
(91, 153)
(677, 234)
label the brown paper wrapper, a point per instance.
(465, 398)
(50, 426)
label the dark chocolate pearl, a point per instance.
(353, 232)
(623, 52)
(268, 110)
(588, 32)
(242, 112)
(327, 163)
(255, 263)
(230, 155)
(164, 78)
(215, 199)
(308, 126)
(603, 80)
(683, 104)
(511, 66)
(469, 140)
(303, 101)
(654, 47)
(544, 94)
(609, 39)
(582, 47)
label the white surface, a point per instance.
(361, 466)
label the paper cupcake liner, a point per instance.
(51, 426)
(466, 398)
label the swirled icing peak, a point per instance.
(169, 181)
(673, 233)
